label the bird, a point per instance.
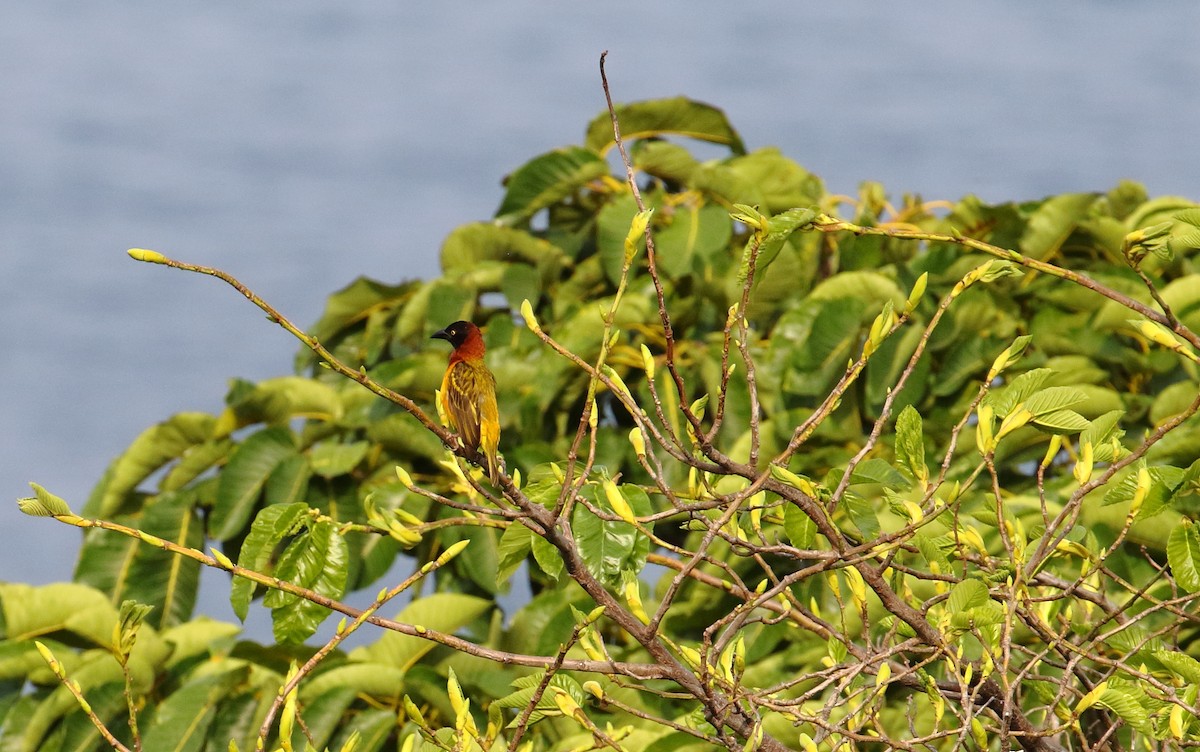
(468, 397)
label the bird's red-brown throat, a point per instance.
(468, 396)
(466, 338)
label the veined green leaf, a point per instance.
(910, 442)
(1053, 222)
(1004, 400)
(967, 595)
(1053, 398)
(268, 530)
(862, 513)
(194, 461)
(181, 722)
(278, 400)
(369, 678)
(548, 558)
(664, 159)
(514, 547)
(869, 287)
(322, 716)
(369, 729)
(658, 117)
(288, 482)
(546, 179)
(159, 578)
(693, 231)
(153, 448)
(878, 470)
(526, 688)
(1061, 421)
(330, 460)
(603, 545)
(319, 564)
(1124, 700)
(1183, 553)
(243, 478)
(1181, 664)
(33, 611)
(800, 528)
(470, 245)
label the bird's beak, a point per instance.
(440, 334)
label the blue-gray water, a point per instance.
(299, 144)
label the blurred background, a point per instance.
(299, 145)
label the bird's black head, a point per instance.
(456, 333)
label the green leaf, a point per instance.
(348, 305)
(242, 480)
(1054, 398)
(816, 338)
(181, 722)
(268, 530)
(194, 461)
(330, 460)
(640, 503)
(546, 179)
(1124, 701)
(443, 612)
(152, 449)
(800, 528)
(278, 400)
(520, 282)
(1183, 553)
(288, 482)
(317, 560)
(862, 513)
(1004, 400)
(1061, 421)
(612, 226)
(664, 159)
(780, 228)
(878, 470)
(660, 117)
(869, 287)
(693, 231)
(371, 679)
(481, 559)
(162, 579)
(1181, 664)
(469, 246)
(322, 716)
(370, 729)
(604, 545)
(967, 595)
(1102, 429)
(514, 546)
(548, 558)
(933, 548)
(30, 612)
(527, 688)
(910, 442)
(1173, 400)
(1053, 222)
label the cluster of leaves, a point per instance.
(918, 476)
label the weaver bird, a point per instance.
(468, 397)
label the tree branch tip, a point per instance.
(150, 257)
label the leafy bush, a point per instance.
(918, 477)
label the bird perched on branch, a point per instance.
(468, 397)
